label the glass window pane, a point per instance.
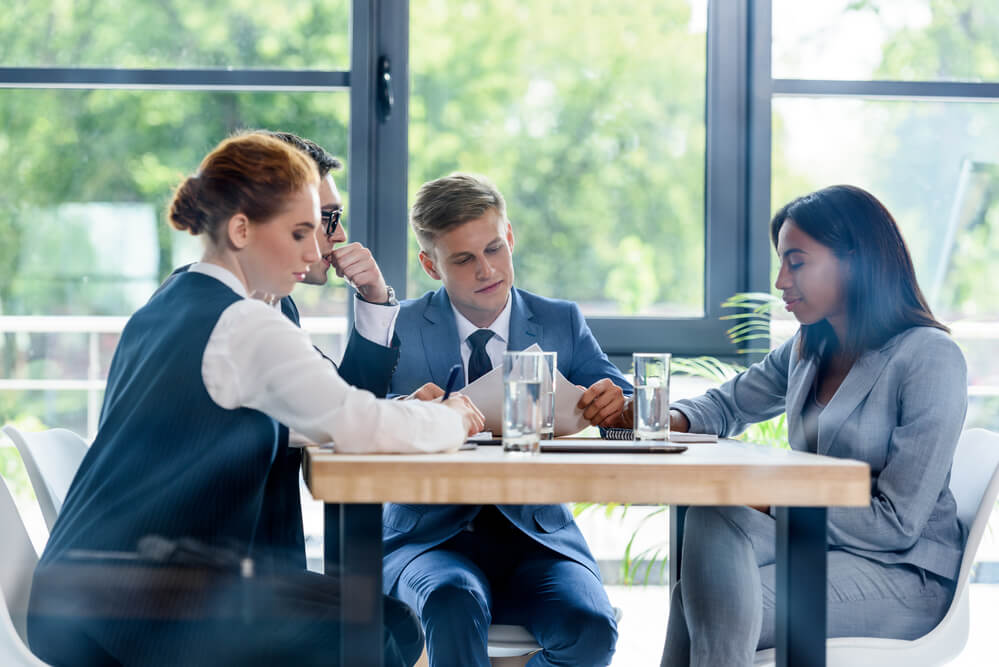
(934, 166)
(295, 34)
(590, 120)
(83, 231)
(901, 40)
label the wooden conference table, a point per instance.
(730, 472)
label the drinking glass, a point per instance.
(549, 367)
(522, 377)
(651, 396)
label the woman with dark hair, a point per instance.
(870, 375)
(151, 560)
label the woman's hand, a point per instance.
(428, 392)
(678, 422)
(471, 417)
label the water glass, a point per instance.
(549, 367)
(651, 396)
(522, 377)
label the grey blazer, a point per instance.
(900, 409)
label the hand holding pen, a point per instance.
(473, 419)
(452, 377)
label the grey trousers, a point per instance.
(722, 608)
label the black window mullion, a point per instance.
(379, 147)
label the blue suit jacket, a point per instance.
(429, 348)
(900, 409)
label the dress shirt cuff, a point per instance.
(375, 321)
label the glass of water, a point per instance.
(522, 377)
(549, 366)
(651, 396)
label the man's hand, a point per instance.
(603, 404)
(473, 420)
(355, 264)
(428, 392)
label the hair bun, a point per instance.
(186, 212)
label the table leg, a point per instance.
(801, 586)
(677, 515)
(331, 538)
(353, 548)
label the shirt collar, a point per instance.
(221, 274)
(500, 326)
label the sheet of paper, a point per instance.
(569, 419)
(487, 394)
(677, 436)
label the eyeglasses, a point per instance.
(331, 219)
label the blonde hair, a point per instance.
(450, 202)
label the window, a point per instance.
(95, 150)
(900, 40)
(295, 35)
(590, 120)
(914, 121)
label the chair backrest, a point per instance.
(974, 481)
(17, 563)
(51, 459)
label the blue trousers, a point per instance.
(722, 610)
(496, 574)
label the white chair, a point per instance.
(974, 481)
(17, 564)
(514, 641)
(51, 459)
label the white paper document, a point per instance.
(487, 394)
(678, 436)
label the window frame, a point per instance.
(377, 182)
(736, 118)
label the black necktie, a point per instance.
(478, 362)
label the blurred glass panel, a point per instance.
(82, 222)
(83, 231)
(933, 164)
(295, 34)
(901, 40)
(589, 118)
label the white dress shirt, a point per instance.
(495, 346)
(256, 358)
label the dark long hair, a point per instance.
(882, 296)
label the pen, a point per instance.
(452, 377)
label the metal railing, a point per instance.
(93, 327)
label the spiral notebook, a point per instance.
(674, 436)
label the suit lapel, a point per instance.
(525, 331)
(855, 387)
(440, 339)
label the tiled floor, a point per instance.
(643, 626)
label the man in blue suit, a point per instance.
(463, 567)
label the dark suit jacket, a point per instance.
(280, 538)
(429, 348)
